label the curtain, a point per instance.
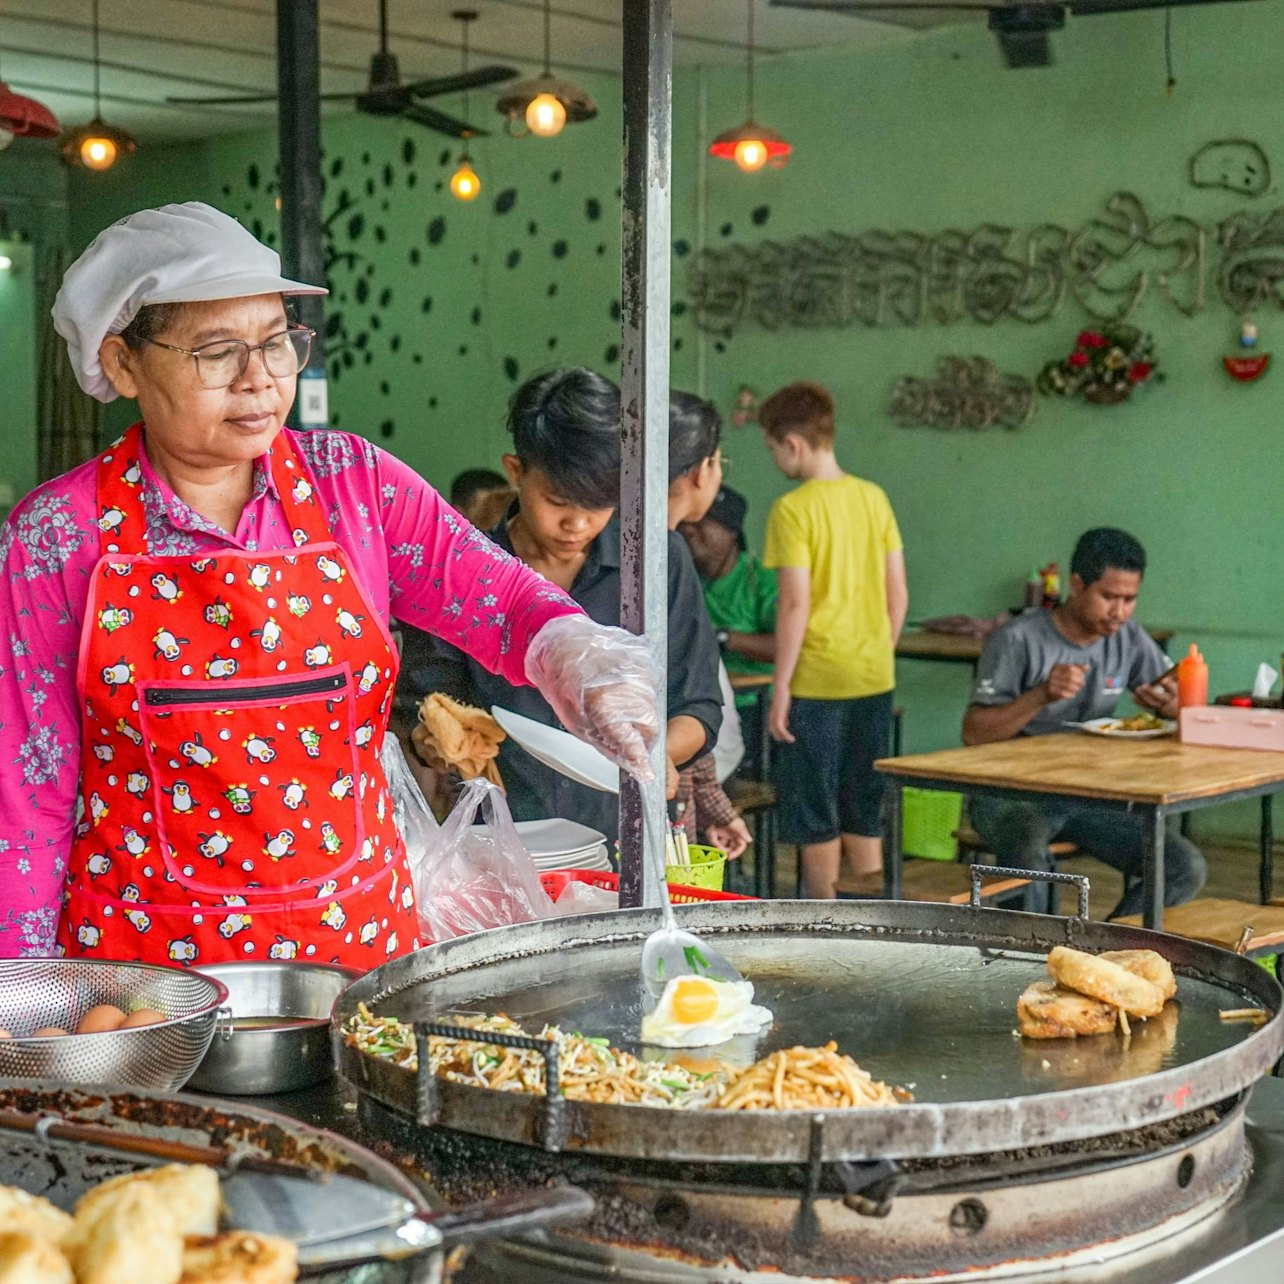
(67, 418)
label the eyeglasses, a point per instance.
(725, 461)
(222, 363)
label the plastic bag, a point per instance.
(474, 878)
(415, 821)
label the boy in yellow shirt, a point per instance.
(843, 598)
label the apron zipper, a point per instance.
(228, 695)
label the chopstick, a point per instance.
(55, 1128)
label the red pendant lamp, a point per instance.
(751, 145)
(25, 117)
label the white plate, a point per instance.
(1106, 727)
(561, 751)
(558, 837)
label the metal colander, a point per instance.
(40, 992)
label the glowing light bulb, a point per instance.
(750, 154)
(98, 153)
(5, 263)
(545, 115)
(464, 183)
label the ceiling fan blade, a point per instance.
(1095, 8)
(451, 126)
(255, 98)
(477, 78)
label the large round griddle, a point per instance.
(921, 995)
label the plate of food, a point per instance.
(1140, 726)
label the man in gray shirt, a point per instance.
(1048, 669)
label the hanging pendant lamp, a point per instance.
(464, 183)
(545, 103)
(24, 117)
(751, 145)
(97, 145)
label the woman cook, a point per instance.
(196, 671)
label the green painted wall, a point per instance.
(935, 134)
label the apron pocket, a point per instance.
(254, 783)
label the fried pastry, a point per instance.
(127, 1237)
(29, 1258)
(20, 1211)
(1046, 1011)
(1100, 978)
(239, 1257)
(189, 1193)
(1146, 963)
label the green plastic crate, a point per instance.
(930, 817)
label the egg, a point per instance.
(696, 1012)
(144, 1016)
(48, 1032)
(101, 1018)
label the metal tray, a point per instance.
(920, 995)
(63, 1173)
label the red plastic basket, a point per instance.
(555, 881)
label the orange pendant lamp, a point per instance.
(544, 104)
(97, 145)
(464, 183)
(751, 145)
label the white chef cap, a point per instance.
(175, 254)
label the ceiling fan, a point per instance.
(385, 95)
(1022, 28)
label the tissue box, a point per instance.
(1233, 728)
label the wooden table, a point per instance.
(958, 648)
(1152, 779)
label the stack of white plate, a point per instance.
(563, 844)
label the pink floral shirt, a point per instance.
(418, 560)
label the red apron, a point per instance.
(232, 804)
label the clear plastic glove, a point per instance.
(601, 683)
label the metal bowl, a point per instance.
(288, 1046)
(160, 1058)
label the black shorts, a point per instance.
(826, 780)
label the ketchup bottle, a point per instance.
(1192, 680)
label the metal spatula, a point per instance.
(669, 951)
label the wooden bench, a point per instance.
(933, 880)
(1222, 922)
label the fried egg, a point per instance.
(696, 1012)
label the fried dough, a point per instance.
(1099, 978)
(239, 1258)
(1146, 963)
(129, 1237)
(29, 1258)
(1046, 1011)
(20, 1211)
(189, 1193)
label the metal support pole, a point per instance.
(299, 141)
(644, 387)
(1153, 820)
